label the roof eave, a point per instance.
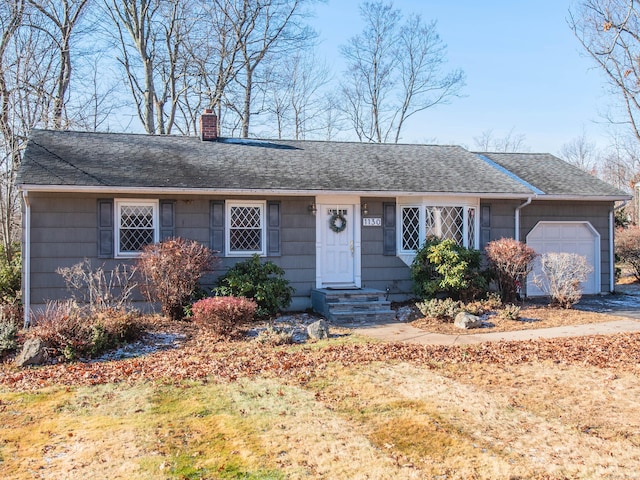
(302, 192)
(601, 198)
(233, 191)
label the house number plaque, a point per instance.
(372, 222)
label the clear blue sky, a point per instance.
(525, 71)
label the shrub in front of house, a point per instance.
(223, 315)
(263, 282)
(72, 332)
(170, 271)
(492, 301)
(443, 266)
(97, 288)
(8, 335)
(442, 309)
(510, 261)
(423, 272)
(274, 337)
(562, 274)
(10, 274)
(510, 312)
(627, 246)
(475, 308)
(11, 316)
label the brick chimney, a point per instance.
(208, 126)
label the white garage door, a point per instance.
(566, 237)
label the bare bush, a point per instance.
(511, 261)
(60, 326)
(71, 331)
(171, 270)
(99, 289)
(628, 248)
(223, 315)
(562, 274)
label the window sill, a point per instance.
(407, 258)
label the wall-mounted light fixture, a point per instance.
(312, 208)
(364, 209)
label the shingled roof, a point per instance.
(131, 161)
(552, 175)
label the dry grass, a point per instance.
(347, 419)
(390, 420)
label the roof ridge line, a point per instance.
(510, 174)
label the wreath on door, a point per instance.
(337, 222)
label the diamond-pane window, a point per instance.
(471, 227)
(136, 223)
(445, 222)
(410, 228)
(417, 223)
(246, 228)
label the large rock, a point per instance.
(465, 320)
(318, 330)
(34, 352)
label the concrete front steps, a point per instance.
(352, 306)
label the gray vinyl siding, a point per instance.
(192, 219)
(298, 243)
(64, 232)
(597, 213)
(298, 248)
(382, 271)
(502, 218)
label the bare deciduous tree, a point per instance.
(264, 31)
(295, 89)
(609, 31)
(582, 153)
(151, 35)
(11, 17)
(213, 48)
(96, 96)
(620, 163)
(35, 75)
(394, 71)
(63, 16)
(510, 143)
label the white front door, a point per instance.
(337, 247)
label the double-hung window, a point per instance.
(245, 232)
(136, 225)
(443, 221)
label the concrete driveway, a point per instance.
(625, 302)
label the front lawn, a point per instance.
(340, 408)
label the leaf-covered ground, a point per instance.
(202, 356)
(532, 316)
(341, 408)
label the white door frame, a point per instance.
(324, 202)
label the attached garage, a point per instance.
(566, 237)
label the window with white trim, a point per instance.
(245, 232)
(136, 225)
(444, 221)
